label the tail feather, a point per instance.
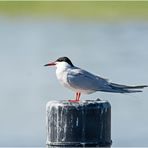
(127, 89)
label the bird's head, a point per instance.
(62, 61)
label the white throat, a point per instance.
(61, 68)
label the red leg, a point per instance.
(76, 98)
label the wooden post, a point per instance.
(83, 124)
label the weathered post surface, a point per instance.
(84, 124)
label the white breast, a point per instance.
(61, 73)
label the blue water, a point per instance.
(118, 51)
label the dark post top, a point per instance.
(87, 123)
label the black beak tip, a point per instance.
(46, 65)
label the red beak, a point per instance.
(50, 64)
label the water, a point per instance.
(117, 51)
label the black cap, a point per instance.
(65, 59)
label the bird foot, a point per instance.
(74, 101)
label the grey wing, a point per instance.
(81, 79)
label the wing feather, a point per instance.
(81, 79)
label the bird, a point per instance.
(82, 81)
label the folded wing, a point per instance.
(83, 80)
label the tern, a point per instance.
(82, 81)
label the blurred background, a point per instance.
(107, 38)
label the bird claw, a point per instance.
(74, 101)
